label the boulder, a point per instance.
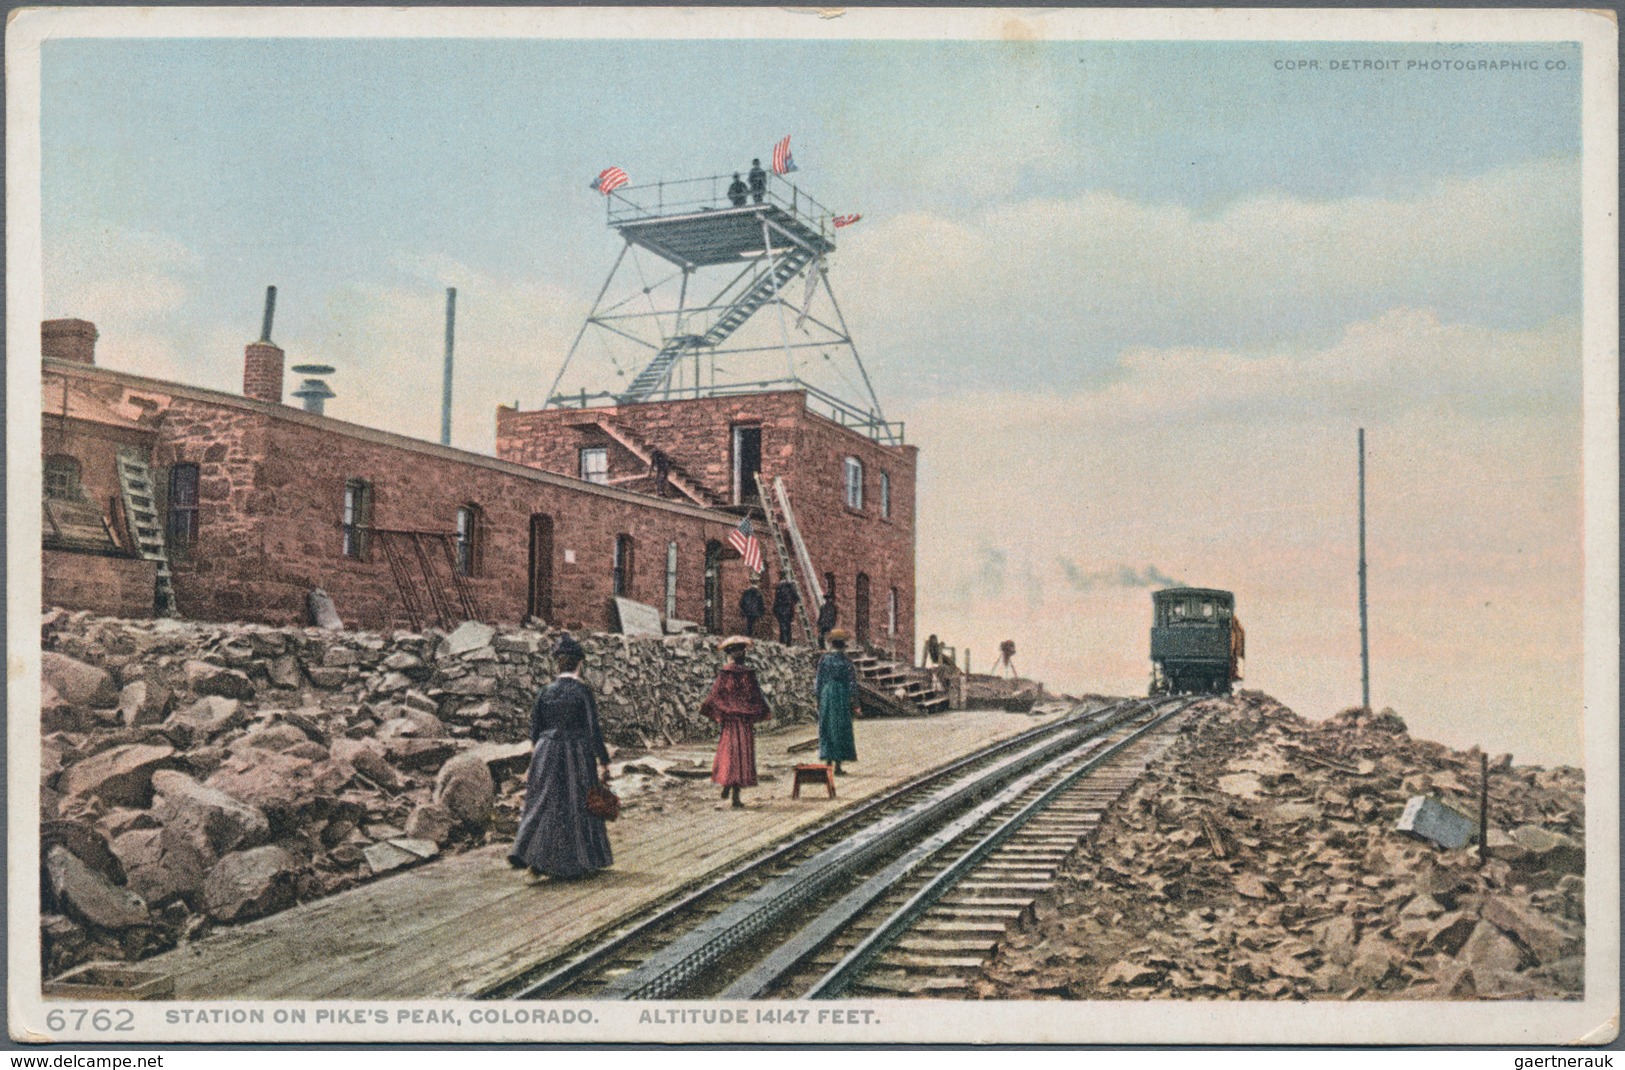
(78, 683)
(163, 864)
(250, 884)
(323, 614)
(87, 895)
(57, 714)
(1548, 940)
(384, 857)
(212, 820)
(504, 758)
(204, 719)
(1489, 952)
(283, 671)
(120, 776)
(413, 722)
(469, 636)
(142, 703)
(1550, 850)
(430, 821)
(286, 788)
(85, 842)
(465, 788)
(205, 678)
(277, 736)
(367, 758)
(410, 752)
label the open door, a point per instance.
(713, 587)
(860, 609)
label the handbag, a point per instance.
(601, 802)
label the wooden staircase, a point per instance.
(692, 488)
(895, 688)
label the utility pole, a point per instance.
(1365, 647)
(445, 386)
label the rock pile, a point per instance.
(199, 774)
(1259, 860)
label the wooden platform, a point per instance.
(464, 924)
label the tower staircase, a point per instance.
(145, 526)
(676, 475)
(766, 287)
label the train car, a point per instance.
(1197, 644)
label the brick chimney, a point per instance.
(262, 372)
(73, 340)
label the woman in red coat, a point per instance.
(736, 703)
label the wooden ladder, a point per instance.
(786, 566)
(146, 529)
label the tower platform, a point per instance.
(693, 224)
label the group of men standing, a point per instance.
(757, 188)
(785, 599)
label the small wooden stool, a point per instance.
(813, 774)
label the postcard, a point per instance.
(796, 525)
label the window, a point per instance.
(62, 477)
(854, 483)
(595, 464)
(182, 527)
(747, 462)
(885, 495)
(671, 580)
(891, 613)
(621, 582)
(357, 517)
(468, 535)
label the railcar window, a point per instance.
(1207, 610)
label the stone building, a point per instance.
(259, 503)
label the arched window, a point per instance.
(621, 581)
(854, 483)
(62, 477)
(182, 526)
(468, 539)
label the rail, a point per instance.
(684, 196)
(819, 401)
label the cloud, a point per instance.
(1048, 292)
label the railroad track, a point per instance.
(908, 893)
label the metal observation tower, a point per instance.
(711, 299)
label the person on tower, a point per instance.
(758, 181)
(737, 192)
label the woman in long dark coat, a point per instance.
(735, 702)
(557, 835)
(836, 685)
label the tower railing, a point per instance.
(820, 402)
(687, 196)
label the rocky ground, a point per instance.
(195, 775)
(1259, 860)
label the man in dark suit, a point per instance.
(784, 608)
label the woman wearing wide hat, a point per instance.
(735, 702)
(836, 686)
(558, 835)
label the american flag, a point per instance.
(783, 164)
(847, 220)
(743, 539)
(610, 178)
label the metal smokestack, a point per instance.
(445, 388)
(270, 313)
(314, 392)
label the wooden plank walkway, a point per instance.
(463, 924)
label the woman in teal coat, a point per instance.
(837, 688)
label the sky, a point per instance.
(1131, 301)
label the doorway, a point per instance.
(747, 462)
(539, 603)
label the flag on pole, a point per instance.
(743, 539)
(783, 163)
(609, 179)
(847, 220)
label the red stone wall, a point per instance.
(270, 528)
(807, 450)
(111, 586)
